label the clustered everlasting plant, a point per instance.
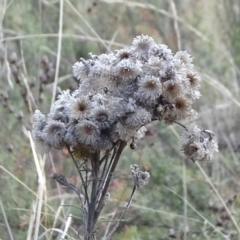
(119, 93)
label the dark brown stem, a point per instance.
(80, 174)
(104, 169)
(180, 124)
(95, 160)
(122, 145)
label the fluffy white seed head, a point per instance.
(119, 93)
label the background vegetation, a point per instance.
(184, 200)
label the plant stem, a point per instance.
(122, 145)
(81, 177)
(93, 200)
(123, 213)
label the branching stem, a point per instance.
(108, 180)
(80, 174)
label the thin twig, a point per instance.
(101, 182)
(106, 156)
(92, 205)
(106, 185)
(123, 213)
(180, 124)
(80, 174)
(109, 224)
(108, 170)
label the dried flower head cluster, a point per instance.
(140, 178)
(118, 94)
(196, 146)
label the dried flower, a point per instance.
(140, 133)
(182, 106)
(122, 132)
(138, 119)
(150, 88)
(126, 69)
(119, 93)
(155, 67)
(194, 80)
(140, 178)
(102, 118)
(87, 133)
(141, 45)
(78, 108)
(197, 147)
(185, 59)
(55, 130)
(39, 121)
(171, 89)
(161, 51)
(80, 70)
(121, 54)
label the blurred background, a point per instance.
(183, 200)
